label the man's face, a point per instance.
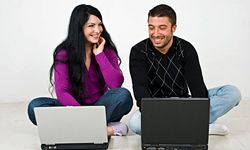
(160, 32)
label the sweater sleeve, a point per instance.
(62, 82)
(108, 63)
(138, 72)
(193, 73)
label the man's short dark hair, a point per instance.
(163, 10)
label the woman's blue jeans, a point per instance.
(222, 99)
(118, 102)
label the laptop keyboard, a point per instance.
(175, 148)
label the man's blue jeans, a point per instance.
(118, 102)
(222, 99)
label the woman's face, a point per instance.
(92, 29)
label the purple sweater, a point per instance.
(103, 73)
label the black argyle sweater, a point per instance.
(166, 75)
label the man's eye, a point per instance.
(163, 28)
(151, 28)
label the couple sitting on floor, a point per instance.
(85, 71)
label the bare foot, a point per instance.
(110, 131)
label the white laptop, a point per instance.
(77, 127)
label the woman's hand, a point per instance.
(98, 47)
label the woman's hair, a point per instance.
(74, 44)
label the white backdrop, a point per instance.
(31, 29)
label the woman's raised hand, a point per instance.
(98, 47)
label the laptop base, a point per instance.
(75, 146)
(174, 147)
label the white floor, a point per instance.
(17, 133)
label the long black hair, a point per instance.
(74, 44)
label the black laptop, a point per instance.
(174, 123)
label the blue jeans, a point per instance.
(118, 102)
(222, 99)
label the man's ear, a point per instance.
(173, 28)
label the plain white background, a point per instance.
(31, 29)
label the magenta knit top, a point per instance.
(103, 74)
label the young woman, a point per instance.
(86, 71)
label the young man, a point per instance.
(164, 65)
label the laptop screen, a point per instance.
(175, 121)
